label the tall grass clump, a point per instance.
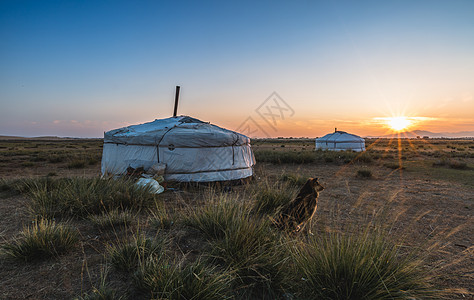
(112, 219)
(255, 257)
(161, 218)
(270, 198)
(81, 197)
(128, 256)
(216, 217)
(294, 180)
(244, 243)
(44, 239)
(103, 291)
(195, 281)
(364, 157)
(359, 266)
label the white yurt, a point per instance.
(340, 141)
(189, 149)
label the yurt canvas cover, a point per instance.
(193, 151)
(340, 141)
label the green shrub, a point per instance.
(44, 239)
(360, 266)
(196, 281)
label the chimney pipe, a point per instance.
(175, 112)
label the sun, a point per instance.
(398, 123)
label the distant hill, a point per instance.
(45, 138)
(423, 133)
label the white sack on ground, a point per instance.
(152, 184)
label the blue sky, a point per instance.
(78, 68)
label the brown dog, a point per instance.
(294, 216)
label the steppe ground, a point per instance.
(423, 188)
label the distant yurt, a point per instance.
(340, 141)
(188, 149)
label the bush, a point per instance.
(167, 280)
(44, 239)
(82, 197)
(360, 266)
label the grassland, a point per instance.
(394, 222)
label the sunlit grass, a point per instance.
(173, 281)
(43, 239)
(363, 265)
(81, 197)
(127, 256)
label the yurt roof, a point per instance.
(180, 131)
(340, 136)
